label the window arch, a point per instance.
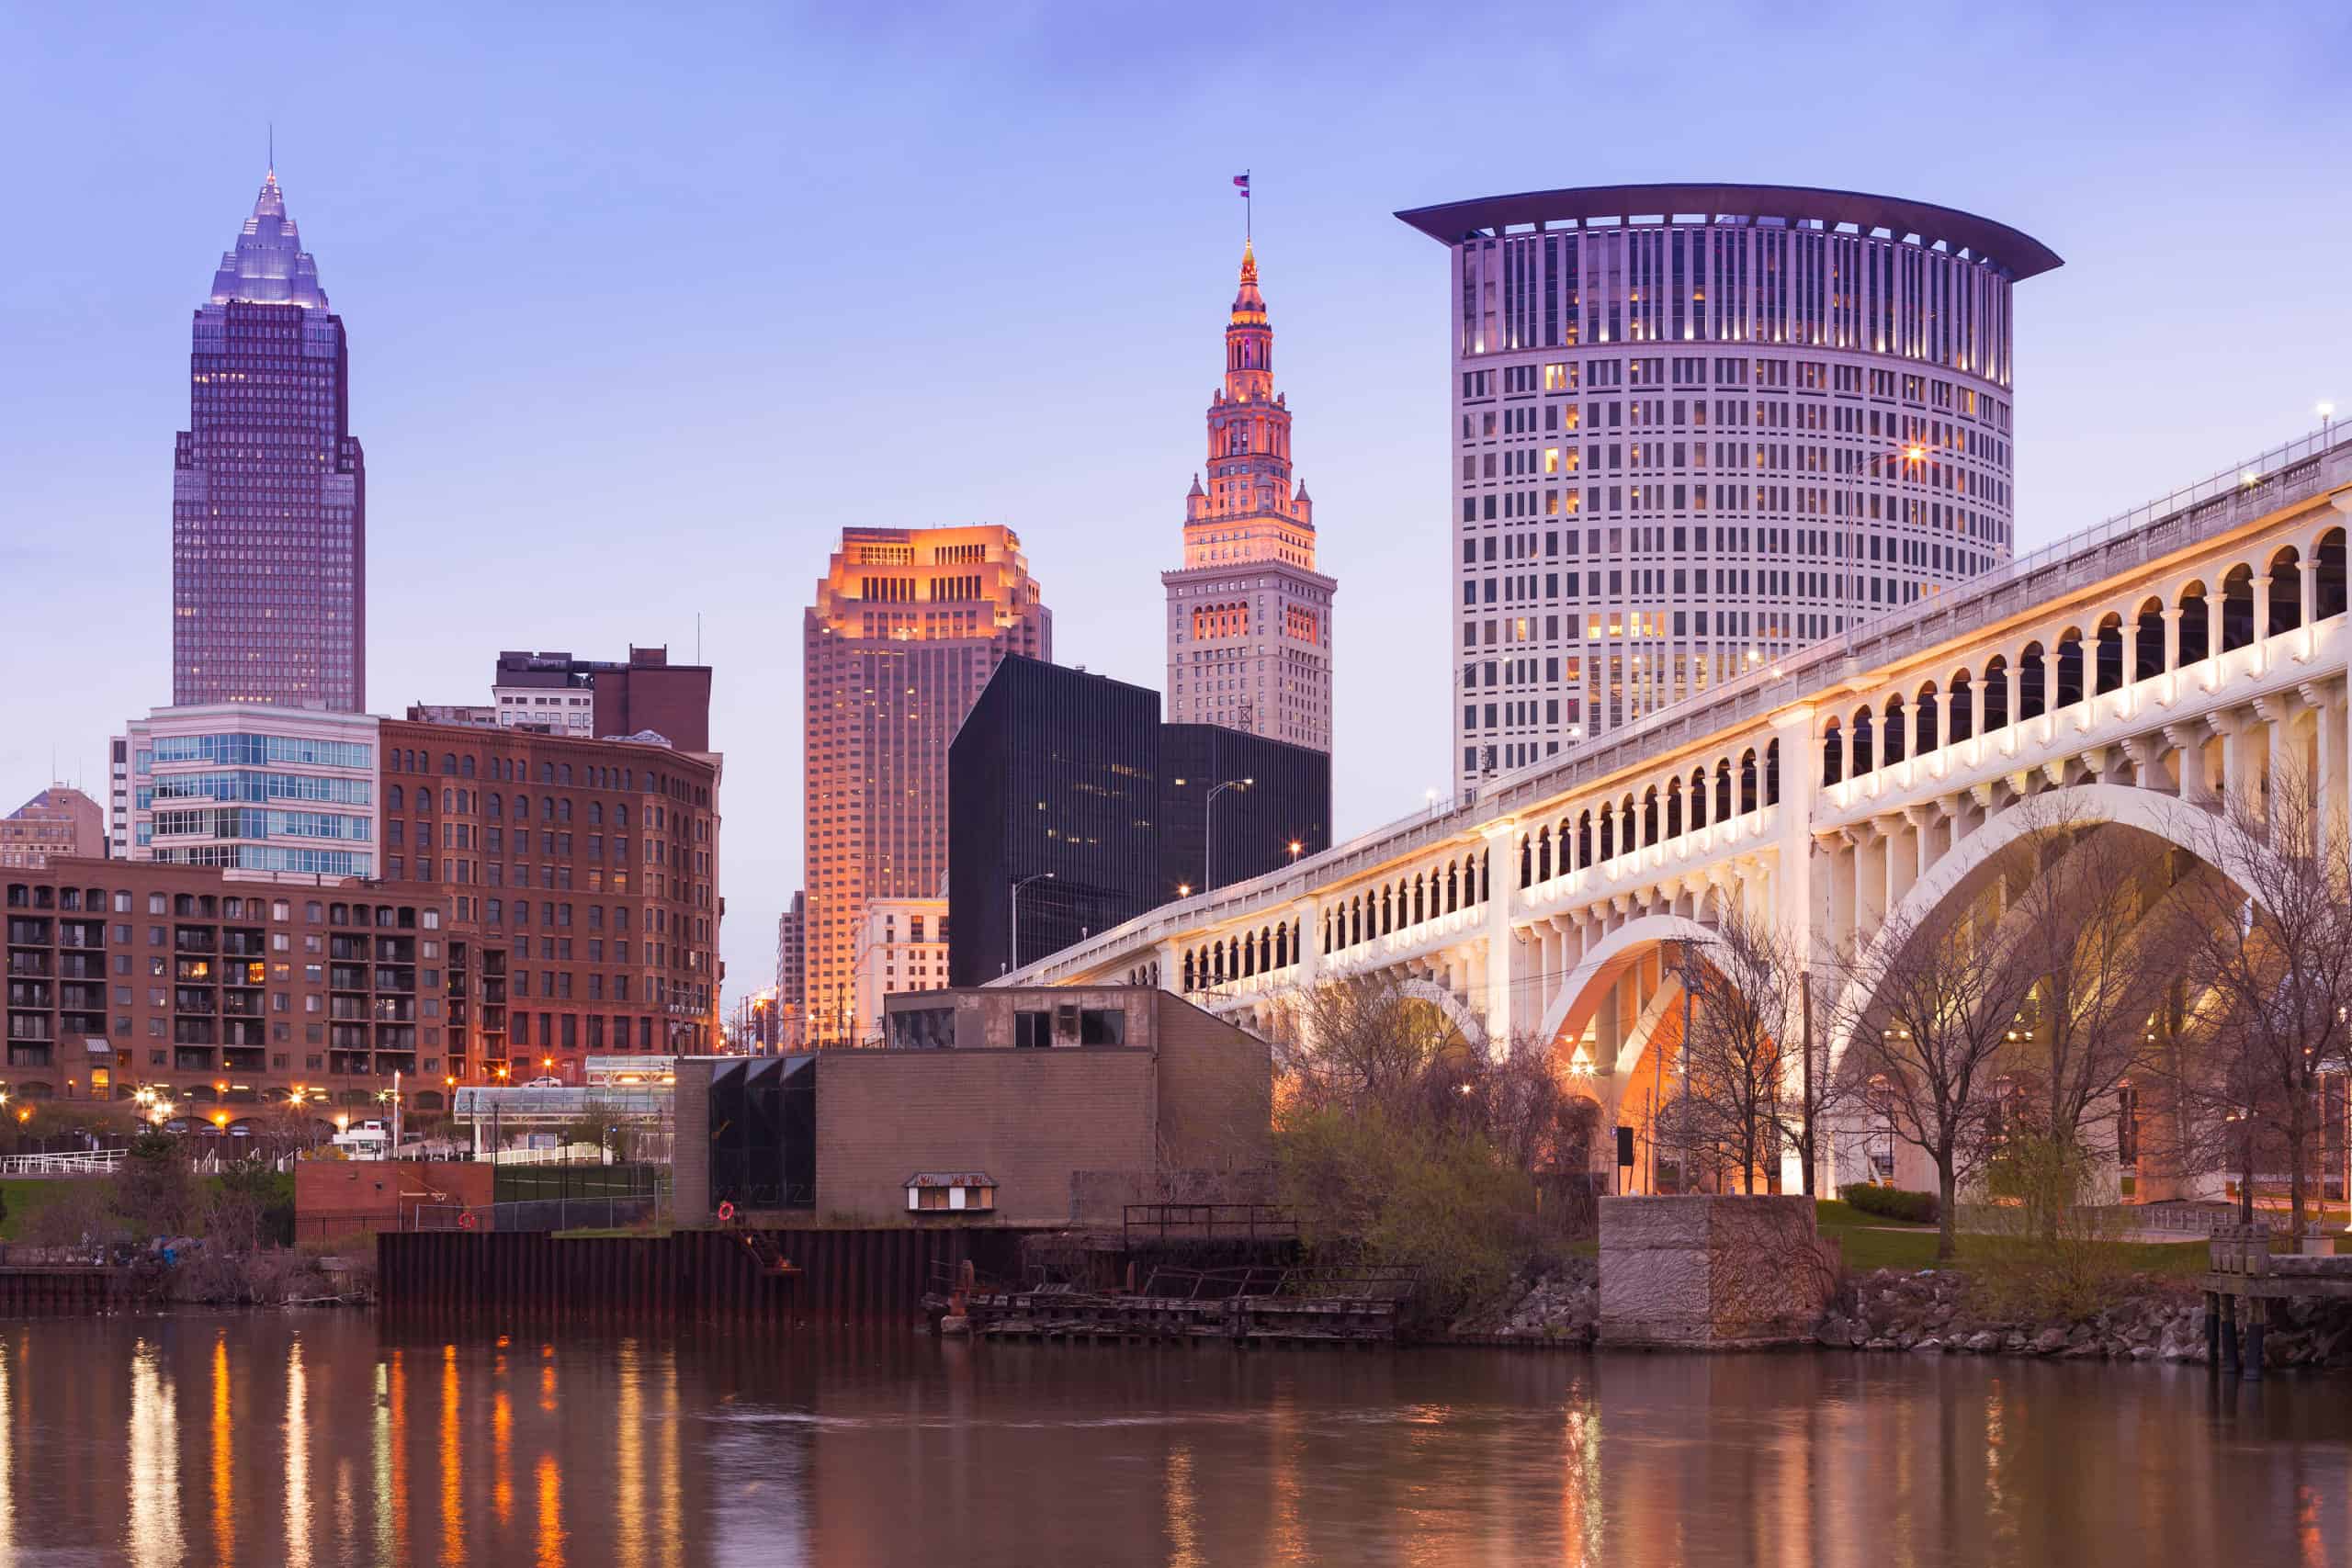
(1923, 721)
(1960, 721)
(2148, 640)
(1892, 734)
(1674, 808)
(2237, 608)
(1749, 783)
(2070, 669)
(1649, 815)
(2286, 592)
(1833, 752)
(1859, 745)
(1997, 693)
(2032, 694)
(2328, 561)
(2107, 672)
(1772, 773)
(2196, 623)
(1722, 789)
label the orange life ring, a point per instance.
(725, 1210)
(465, 1221)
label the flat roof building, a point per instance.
(1012, 1106)
(1695, 427)
(58, 821)
(254, 788)
(220, 988)
(1073, 808)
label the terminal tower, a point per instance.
(1249, 616)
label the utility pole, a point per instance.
(1811, 1133)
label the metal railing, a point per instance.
(1206, 1222)
(80, 1162)
(533, 1214)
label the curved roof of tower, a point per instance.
(268, 264)
(2013, 251)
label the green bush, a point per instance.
(1372, 1188)
(1893, 1203)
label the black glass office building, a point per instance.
(1066, 817)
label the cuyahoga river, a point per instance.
(313, 1440)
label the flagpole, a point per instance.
(1248, 211)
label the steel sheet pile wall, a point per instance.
(845, 1276)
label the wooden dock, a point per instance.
(2243, 1268)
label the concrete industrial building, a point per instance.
(1013, 1107)
(1249, 616)
(1698, 426)
(905, 629)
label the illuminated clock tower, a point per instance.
(1249, 616)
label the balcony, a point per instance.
(191, 1061)
(396, 980)
(81, 967)
(241, 944)
(29, 963)
(241, 1004)
(80, 996)
(244, 1059)
(194, 939)
(193, 999)
(30, 932)
(31, 994)
(27, 1055)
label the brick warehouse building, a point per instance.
(225, 988)
(582, 881)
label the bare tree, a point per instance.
(2083, 921)
(1361, 1043)
(1756, 1048)
(1943, 997)
(2264, 951)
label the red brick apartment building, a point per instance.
(581, 880)
(543, 898)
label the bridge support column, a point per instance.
(1496, 946)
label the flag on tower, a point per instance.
(1243, 181)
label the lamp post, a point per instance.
(1208, 830)
(1913, 453)
(1018, 885)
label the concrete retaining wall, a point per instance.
(1712, 1272)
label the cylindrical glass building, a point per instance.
(1695, 426)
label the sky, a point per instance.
(645, 304)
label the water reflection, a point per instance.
(152, 1468)
(311, 1439)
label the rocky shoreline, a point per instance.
(1929, 1312)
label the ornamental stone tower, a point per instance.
(1249, 616)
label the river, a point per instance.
(313, 1439)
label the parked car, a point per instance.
(545, 1083)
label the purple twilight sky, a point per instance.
(645, 303)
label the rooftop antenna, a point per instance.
(698, 636)
(273, 148)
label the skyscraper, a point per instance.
(906, 628)
(1696, 426)
(269, 493)
(1249, 616)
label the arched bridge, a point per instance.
(2148, 667)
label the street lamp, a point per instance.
(1208, 828)
(1018, 885)
(1913, 453)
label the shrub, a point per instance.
(1893, 1203)
(1369, 1188)
(2036, 1248)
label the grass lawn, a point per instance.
(28, 1195)
(1870, 1242)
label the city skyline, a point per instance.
(520, 489)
